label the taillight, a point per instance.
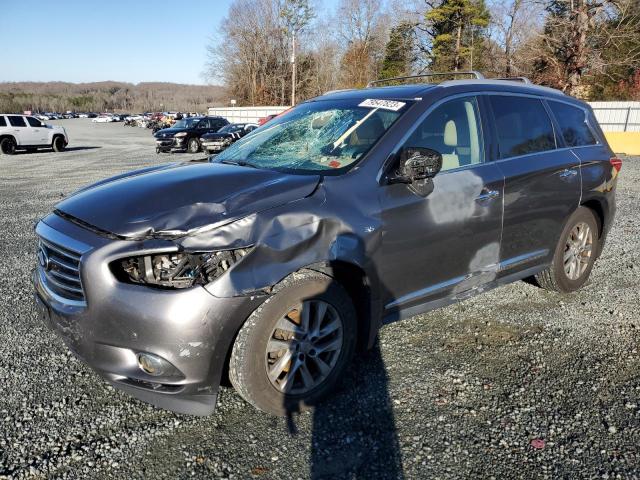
(616, 163)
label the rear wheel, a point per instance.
(193, 146)
(293, 349)
(8, 146)
(58, 144)
(575, 254)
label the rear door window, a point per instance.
(573, 124)
(522, 125)
(16, 121)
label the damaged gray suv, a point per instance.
(275, 261)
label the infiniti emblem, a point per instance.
(43, 258)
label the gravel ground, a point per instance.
(515, 383)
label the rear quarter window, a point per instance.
(573, 125)
(522, 125)
(3, 122)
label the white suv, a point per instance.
(27, 132)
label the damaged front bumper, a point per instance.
(111, 323)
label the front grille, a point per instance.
(61, 269)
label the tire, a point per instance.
(7, 146)
(556, 278)
(58, 144)
(193, 146)
(251, 363)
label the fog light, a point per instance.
(152, 364)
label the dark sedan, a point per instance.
(185, 134)
(218, 141)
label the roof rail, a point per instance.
(473, 73)
(516, 79)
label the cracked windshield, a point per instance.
(316, 136)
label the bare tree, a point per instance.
(579, 37)
(363, 30)
(514, 23)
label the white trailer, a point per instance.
(244, 114)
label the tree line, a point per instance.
(107, 96)
(587, 48)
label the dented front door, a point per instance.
(446, 243)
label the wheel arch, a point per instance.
(357, 284)
(596, 206)
(56, 135)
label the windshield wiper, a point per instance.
(240, 163)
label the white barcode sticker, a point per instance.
(384, 104)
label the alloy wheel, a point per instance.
(578, 251)
(304, 347)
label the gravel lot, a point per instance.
(516, 383)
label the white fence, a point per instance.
(245, 114)
(612, 116)
(617, 116)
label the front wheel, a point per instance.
(293, 349)
(575, 254)
(58, 144)
(8, 146)
(193, 146)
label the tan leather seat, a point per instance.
(450, 160)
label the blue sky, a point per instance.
(86, 41)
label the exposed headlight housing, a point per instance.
(176, 269)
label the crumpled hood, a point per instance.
(183, 197)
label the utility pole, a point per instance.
(293, 69)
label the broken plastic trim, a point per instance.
(176, 270)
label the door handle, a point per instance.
(488, 195)
(568, 173)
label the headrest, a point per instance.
(450, 134)
(371, 129)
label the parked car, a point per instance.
(92, 115)
(217, 141)
(286, 252)
(103, 118)
(185, 134)
(18, 132)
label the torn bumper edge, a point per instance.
(191, 329)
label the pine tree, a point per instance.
(457, 31)
(398, 55)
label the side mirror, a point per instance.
(417, 164)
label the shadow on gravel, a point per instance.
(76, 149)
(49, 150)
(354, 433)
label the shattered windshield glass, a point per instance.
(316, 136)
